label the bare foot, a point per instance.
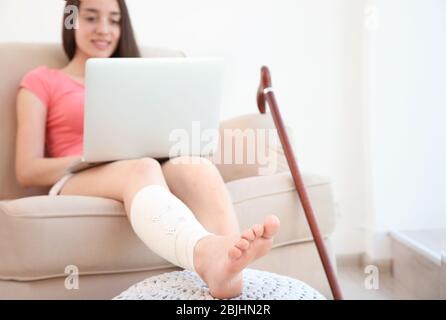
(219, 260)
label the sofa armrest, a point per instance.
(249, 146)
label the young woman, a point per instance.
(180, 209)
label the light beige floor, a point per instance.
(352, 282)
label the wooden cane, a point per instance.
(265, 95)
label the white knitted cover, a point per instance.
(187, 285)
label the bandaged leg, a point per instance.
(166, 225)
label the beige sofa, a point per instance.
(40, 236)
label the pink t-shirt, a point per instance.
(64, 99)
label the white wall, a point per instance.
(313, 48)
(405, 95)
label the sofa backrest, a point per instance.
(16, 59)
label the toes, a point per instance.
(271, 226)
(234, 253)
(258, 230)
(248, 235)
(242, 244)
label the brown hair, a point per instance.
(127, 47)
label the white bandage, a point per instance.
(166, 225)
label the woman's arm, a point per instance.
(32, 168)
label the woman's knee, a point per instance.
(144, 167)
(141, 172)
(189, 166)
(191, 160)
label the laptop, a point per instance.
(150, 107)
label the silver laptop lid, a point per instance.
(149, 107)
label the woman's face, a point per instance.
(99, 28)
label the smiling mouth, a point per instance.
(101, 44)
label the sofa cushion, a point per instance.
(249, 146)
(40, 236)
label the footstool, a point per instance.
(187, 285)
